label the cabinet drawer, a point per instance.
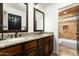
(11, 51)
(30, 45)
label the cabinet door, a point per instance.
(14, 50)
(31, 48)
(40, 47)
(30, 45)
(47, 45)
(51, 44)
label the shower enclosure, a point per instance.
(69, 26)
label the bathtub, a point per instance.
(68, 43)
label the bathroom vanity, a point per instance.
(14, 20)
(31, 45)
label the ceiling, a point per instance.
(44, 4)
(18, 6)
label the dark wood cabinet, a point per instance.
(11, 51)
(31, 48)
(31, 52)
(51, 45)
(38, 47)
(47, 45)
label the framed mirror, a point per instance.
(15, 17)
(38, 20)
(1, 18)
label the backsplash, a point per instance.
(8, 35)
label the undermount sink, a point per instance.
(13, 39)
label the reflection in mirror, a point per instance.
(14, 16)
(38, 20)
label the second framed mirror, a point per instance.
(38, 20)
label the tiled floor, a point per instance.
(65, 51)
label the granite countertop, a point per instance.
(14, 41)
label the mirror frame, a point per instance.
(1, 18)
(36, 30)
(4, 31)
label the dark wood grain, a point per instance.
(39, 47)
